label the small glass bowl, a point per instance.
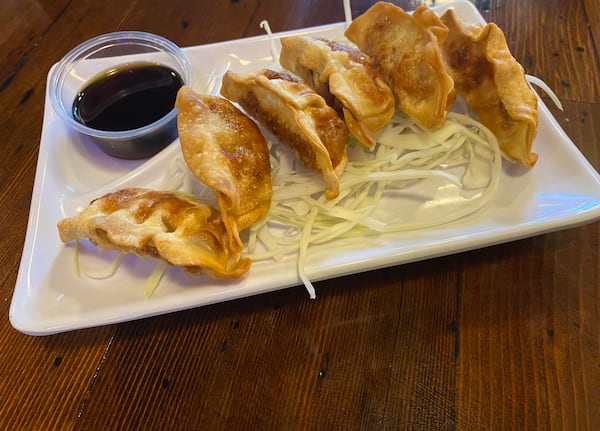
(100, 54)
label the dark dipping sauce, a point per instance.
(127, 97)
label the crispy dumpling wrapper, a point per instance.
(347, 80)
(161, 224)
(432, 22)
(406, 51)
(493, 84)
(298, 116)
(227, 152)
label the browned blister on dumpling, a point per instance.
(225, 150)
(493, 84)
(160, 224)
(406, 50)
(346, 78)
(298, 116)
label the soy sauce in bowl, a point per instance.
(127, 97)
(118, 90)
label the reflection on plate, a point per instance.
(562, 190)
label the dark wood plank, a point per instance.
(552, 41)
(46, 380)
(533, 339)
(358, 347)
(23, 24)
(592, 13)
(529, 339)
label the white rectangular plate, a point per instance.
(561, 191)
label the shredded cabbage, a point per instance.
(264, 24)
(303, 246)
(103, 273)
(463, 154)
(152, 281)
(76, 259)
(546, 88)
(347, 12)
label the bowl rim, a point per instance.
(60, 69)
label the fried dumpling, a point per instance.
(226, 151)
(160, 224)
(493, 84)
(429, 19)
(298, 116)
(406, 51)
(346, 78)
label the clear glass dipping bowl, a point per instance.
(100, 54)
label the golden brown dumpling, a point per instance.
(226, 151)
(166, 225)
(347, 80)
(493, 84)
(298, 116)
(406, 50)
(429, 19)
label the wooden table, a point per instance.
(505, 337)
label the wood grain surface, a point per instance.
(505, 337)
